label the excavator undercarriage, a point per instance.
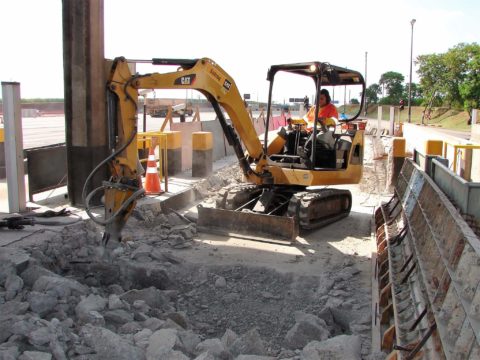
(273, 214)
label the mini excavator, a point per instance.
(287, 178)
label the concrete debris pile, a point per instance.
(209, 187)
(149, 226)
(70, 298)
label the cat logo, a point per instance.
(185, 80)
(227, 84)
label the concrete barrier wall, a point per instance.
(416, 137)
(3, 173)
(464, 194)
(221, 148)
(186, 128)
(475, 134)
(218, 138)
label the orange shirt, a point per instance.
(328, 111)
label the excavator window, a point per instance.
(357, 155)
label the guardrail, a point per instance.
(460, 151)
(464, 194)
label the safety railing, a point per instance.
(459, 151)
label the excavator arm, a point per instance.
(203, 75)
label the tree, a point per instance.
(470, 87)
(417, 94)
(391, 81)
(354, 101)
(453, 76)
(372, 92)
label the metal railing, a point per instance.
(458, 150)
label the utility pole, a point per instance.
(365, 111)
(410, 83)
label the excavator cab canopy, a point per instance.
(330, 75)
(323, 74)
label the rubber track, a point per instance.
(301, 205)
(239, 195)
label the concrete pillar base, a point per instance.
(174, 161)
(202, 154)
(202, 163)
(396, 159)
(174, 152)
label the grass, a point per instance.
(440, 117)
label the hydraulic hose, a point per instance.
(131, 199)
(86, 198)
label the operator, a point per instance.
(326, 114)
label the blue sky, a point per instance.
(244, 37)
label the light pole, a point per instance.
(410, 83)
(365, 111)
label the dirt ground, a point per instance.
(326, 268)
(210, 295)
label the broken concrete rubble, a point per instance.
(161, 343)
(90, 303)
(140, 319)
(248, 343)
(13, 285)
(108, 345)
(338, 348)
(148, 300)
(214, 347)
(35, 355)
(307, 328)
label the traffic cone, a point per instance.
(152, 180)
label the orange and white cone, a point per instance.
(152, 180)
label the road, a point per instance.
(43, 131)
(456, 133)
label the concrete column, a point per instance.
(474, 116)
(392, 120)
(12, 115)
(85, 78)
(379, 121)
(174, 152)
(202, 155)
(2, 154)
(397, 160)
(466, 164)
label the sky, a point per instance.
(243, 37)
